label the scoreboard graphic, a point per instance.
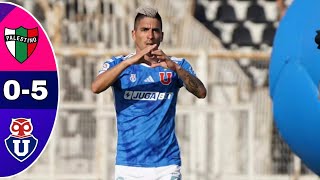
(29, 89)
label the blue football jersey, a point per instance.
(145, 103)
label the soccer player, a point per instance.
(145, 86)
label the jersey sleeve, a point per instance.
(186, 66)
(110, 63)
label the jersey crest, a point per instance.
(21, 42)
(165, 77)
(21, 143)
(133, 77)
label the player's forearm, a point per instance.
(192, 83)
(107, 78)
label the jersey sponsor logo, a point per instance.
(21, 143)
(21, 42)
(147, 95)
(165, 77)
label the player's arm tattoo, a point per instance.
(192, 83)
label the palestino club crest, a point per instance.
(21, 143)
(21, 42)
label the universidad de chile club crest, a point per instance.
(21, 143)
(21, 42)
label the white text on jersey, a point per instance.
(147, 95)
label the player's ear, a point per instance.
(133, 35)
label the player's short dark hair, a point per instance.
(147, 11)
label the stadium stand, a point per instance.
(240, 23)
